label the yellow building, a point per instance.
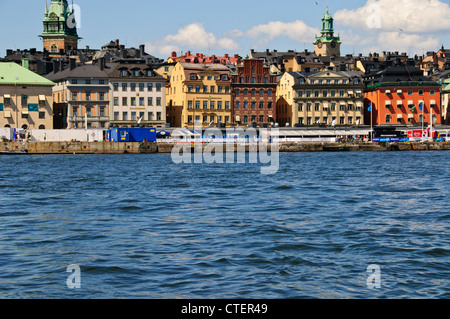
(199, 92)
(286, 112)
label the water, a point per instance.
(140, 226)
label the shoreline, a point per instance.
(73, 147)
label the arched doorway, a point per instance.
(25, 127)
(42, 127)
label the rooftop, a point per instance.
(12, 73)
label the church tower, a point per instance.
(60, 30)
(327, 44)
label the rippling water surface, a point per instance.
(140, 226)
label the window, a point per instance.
(308, 107)
(300, 107)
(74, 81)
(212, 89)
(236, 92)
(101, 96)
(116, 101)
(116, 116)
(133, 116)
(133, 101)
(124, 116)
(123, 72)
(342, 120)
(205, 89)
(74, 96)
(245, 105)
(432, 91)
(269, 105)
(124, 87)
(316, 107)
(141, 87)
(150, 101)
(101, 82)
(75, 111)
(24, 100)
(190, 105)
(236, 105)
(88, 96)
(41, 115)
(212, 105)
(205, 105)
(261, 105)
(261, 118)
(158, 87)
(219, 89)
(116, 87)
(190, 88)
(102, 111)
(136, 73)
(133, 87)
(158, 101)
(124, 101)
(149, 73)
(150, 87)
(197, 88)
(88, 81)
(269, 92)
(253, 92)
(388, 118)
(410, 92)
(219, 105)
(420, 92)
(88, 111)
(197, 105)
(141, 101)
(150, 116)
(245, 91)
(227, 105)
(261, 92)
(253, 105)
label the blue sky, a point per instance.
(412, 26)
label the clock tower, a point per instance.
(60, 30)
(327, 44)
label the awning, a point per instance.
(387, 91)
(433, 102)
(325, 105)
(7, 96)
(7, 114)
(410, 102)
(25, 112)
(350, 92)
(41, 97)
(410, 116)
(388, 103)
(359, 104)
(342, 103)
(399, 102)
(399, 116)
(238, 118)
(399, 91)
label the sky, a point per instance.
(235, 27)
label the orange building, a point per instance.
(401, 95)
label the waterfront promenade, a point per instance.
(30, 148)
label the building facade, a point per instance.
(401, 94)
(60, 30)
(199, 93)
(287, 112)
(82, 95)
(137, 94)
(253, 93)
(329, 98)
(26, 100)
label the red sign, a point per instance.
(415, 133)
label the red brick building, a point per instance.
(253, 93)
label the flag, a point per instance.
(370, 107)
(413, 109)
(421, 106)
(333, 124)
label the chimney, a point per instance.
(26, 63)
(102, 63)
(73, 64)
(33, 51)
(61, 65)
(174, 54)
(142, 49)
(117, 42)
(55, 66)
(9, 52)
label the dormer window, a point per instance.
(149, 73)
(136, 73)
(123, 72)
(193, 76)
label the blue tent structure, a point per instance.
(162, 134)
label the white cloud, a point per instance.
(297, 31)
(412, 43)
(190, 37)
(412, 16)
